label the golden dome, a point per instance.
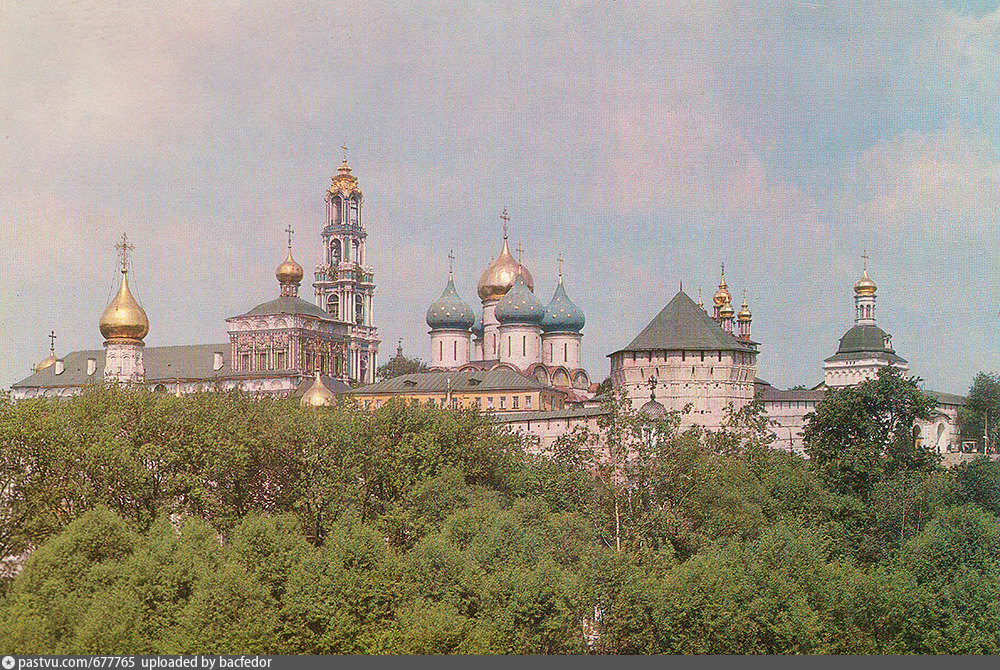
(47, 361)
(124, 318)
(344, 182)
(865, 285)
(744, 313)
(722, 296)
(317, 395)
(289, 272)
(726, 311)
(499, 276)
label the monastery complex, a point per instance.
(511, 354)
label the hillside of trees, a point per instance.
(224, 523)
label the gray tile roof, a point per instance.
(498, 379)
(163, 364)
(684, 325)
(575, 413)
(947, 398)
(288, 305)
(771, 394)
(334, 386)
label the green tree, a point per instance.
(400, 365)
(981, 413)
(860, 435)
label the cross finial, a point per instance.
(344, 147)
(52, 341)
(451, 262)
(651, 382)
(289, 231)
(506, 218)
(864, 255)
(559, 259)
(723, 269)
(123, 248)
(519, 252)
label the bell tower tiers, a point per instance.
(344, 282)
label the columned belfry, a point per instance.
(124, 325)
(344, 282)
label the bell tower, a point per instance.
(344, 282)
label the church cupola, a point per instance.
(289, 273)
(519, 314)
(744, 317)
(561, 328)
(723, 304)
(124, 325)
(51, 359)
(498, 277)
(864, 296)
(450, 319)
(561, 315)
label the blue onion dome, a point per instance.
(519, 305)
(562, 315)
(449, 311)
(477, 326)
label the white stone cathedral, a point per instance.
(513, 328)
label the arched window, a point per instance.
(333, 305)
(336, 206)
(364, 367)
(334, 251)
(359, 309)
(565, 352)
(354, 212)
(355, 247)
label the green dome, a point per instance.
(519, 305)
(561, 315)
(477, 325)
(449, 312)
(864, 338)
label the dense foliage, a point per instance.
(220, 523)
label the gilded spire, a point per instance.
(722, 296)
(124, 318)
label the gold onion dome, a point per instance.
(865, 285)
(47, 361)
(744, 313)
(123, 318)
(722, 296)
(317, 395)
(499, 276)
(289, 272)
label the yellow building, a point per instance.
(498, 390)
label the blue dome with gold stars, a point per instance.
(449, 312)
(561, 315)
(519, 305)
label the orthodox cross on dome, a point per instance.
(52, 341)
(505, 218)
(289, 231)
(123, 248)
(451, 262)
(344, 147)
(864, 256)
(559, 260)
(651, 383)
(519, 251)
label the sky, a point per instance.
(645, 142)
